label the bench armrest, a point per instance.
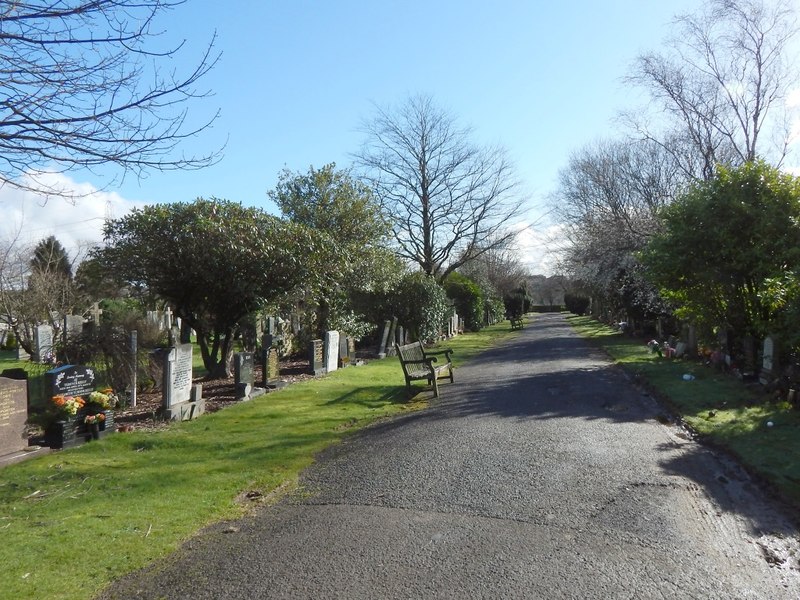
(447, 352)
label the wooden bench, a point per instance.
(517, 322)
(418, 364)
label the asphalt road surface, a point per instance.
(541, 473)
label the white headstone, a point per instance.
(44, 342)
(331, 350)
(177, 375)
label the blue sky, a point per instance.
(297, 77)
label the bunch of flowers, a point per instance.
(68, 405)
(92, 419)
(100, 399)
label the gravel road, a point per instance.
(541, 473)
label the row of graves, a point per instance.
(79, 410)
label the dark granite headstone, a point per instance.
(344, 357)
(13, 414)
(69, 380)
(243, 367)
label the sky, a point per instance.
(297, 78)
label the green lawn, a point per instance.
(718, 406)
(74, 520)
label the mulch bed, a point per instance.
(218, 393)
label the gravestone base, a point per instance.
(256, 392)
(185, 411)
(15, 457)
(243, 391)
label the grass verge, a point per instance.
(719, 407)
(75, 520)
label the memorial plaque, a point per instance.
(13, 414)
(69, 380)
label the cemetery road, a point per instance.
(541, 473)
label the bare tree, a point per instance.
(35, 288)
(449, 200)
(723, 82)
(82, 86)
(608, 198)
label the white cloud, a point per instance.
(538, 247)
(78, 225)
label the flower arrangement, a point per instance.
(104, 399)
(94, 419)
(68, 405)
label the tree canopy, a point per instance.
(353, 258)
(723, 241)
(216, 261)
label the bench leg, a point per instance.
(435, 387)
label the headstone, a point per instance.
(351, 350)
(177, 385)
(344, 357)
(43, 343)
(316, 357)
(400, 336)
(243, 374)
(295, 324)
(73, 327)
(271, 368)
(384, 339)
(267, 341)
(168, 319)
(22, 354)
(390, 349)
(680, 349)
(69, 380)
(13, 415)
(96, 312)
(154, 319)
(133, 352)
(769, 360)
(331, 352)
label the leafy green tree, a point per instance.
(722, 244)
(50, 257)
(216, 261)
(468, 299)
(352, 259)
(421, 304)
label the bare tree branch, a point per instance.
(449, 200)
(81, 87)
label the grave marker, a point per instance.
(13, 415)
(176, 390)
(316, 357)
(331, 352)
(73, 327)
(272, 369)
(43, 343)
(243, 374)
